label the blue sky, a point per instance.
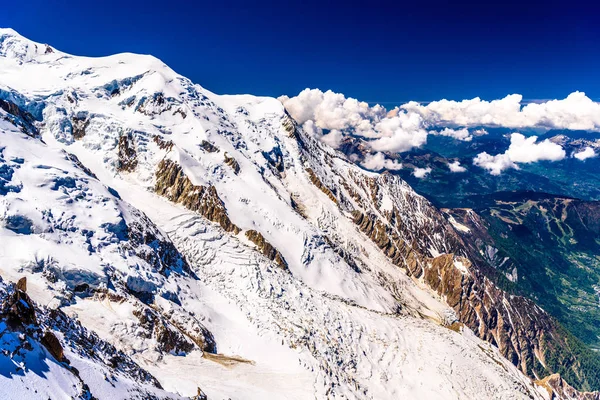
(386, 52)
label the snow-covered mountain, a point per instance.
(223, 251)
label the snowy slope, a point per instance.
(255, 278)
(46, 354)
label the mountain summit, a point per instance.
(216, 249)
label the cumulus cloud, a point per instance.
(521, 150)
(331, 110)
(333, 138)
(575, 112)
(377, 162)
(456, 167)
(586, 153)
(399, 133)
(494, 164)
(459, 134)
(526, 149)
(421, 172)
(394, 131)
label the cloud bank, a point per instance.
(332, 117)
(575, 112)
(318, 112)
(521, 150)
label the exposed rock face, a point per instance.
(152, 246)
(521, 330)
(232, 163)
(80, 123)
(127, 154)
(169, 339)
(208, 146)
(162, 144)
(22, 284)
(559, 389)
(266, 248)
(53, 345)
(173, 337)
(155, 104)
(17, 308)
(21, 118)
(317, 182)
(172, 183)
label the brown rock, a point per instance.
(232, 163)
(22, 284)
(172, 183)
(51, 342)
(317, 182)
(79, 125)
(208, 146)
(127, 154)
(266, 248)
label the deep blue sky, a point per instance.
(387, 52)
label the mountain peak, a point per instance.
(15, 46)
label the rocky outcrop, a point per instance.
(557, 388)
(148, 243)
(167, 338)
(208, 146)
(79, 125)
(53, 345)
(235, 166)
(34, 324)
(266, 248)
(17, 308)
(155, 104)
(20, 117)
(317, 182)
(162, 143)
(173, 336)
(172, 183)
(127, 154)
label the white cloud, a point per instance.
(459, 134)
(456, 167)
(521, 150)
(421, 172)
(494, 164)
(377, 162)
(331, 110)
(399, 133)
(333, 138)
(526, 149)
(576, 111)
(586, 153)
(394, 131)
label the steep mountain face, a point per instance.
(547, 246)
(210, 234)
(36, 364)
